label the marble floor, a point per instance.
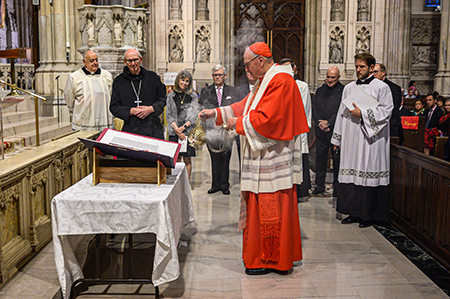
(339, 261)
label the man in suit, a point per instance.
(433, 112)
(324, 109)
(217, 95)
(403, 110)
(379, 72)
(243, 90)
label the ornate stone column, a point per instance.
(202, 10)
(312, 44)
(397, 40)
(57, 39)
(59, 30)
(442, 80)
(175, 10)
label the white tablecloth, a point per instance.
(84, 209)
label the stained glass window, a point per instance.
(432, 3)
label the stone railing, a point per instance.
(24, 75)
(28, 182)
(110, 30)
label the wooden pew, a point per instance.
(439, 147)
(415, 139)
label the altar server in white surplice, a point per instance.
(363, 138)
(87, 94)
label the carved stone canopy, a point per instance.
(115, 29)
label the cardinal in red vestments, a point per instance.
(269, 121)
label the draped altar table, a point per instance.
(84, 210)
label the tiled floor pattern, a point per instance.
(339, 261)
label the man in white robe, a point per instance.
(363, 138)
(303, 188)
(87, 94)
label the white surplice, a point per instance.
(306, 99)
(88, 98)
(364, 142)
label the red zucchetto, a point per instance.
(261, 49)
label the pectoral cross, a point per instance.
(137, 93)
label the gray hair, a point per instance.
(382, 67)
(182, 75)
(285, 60)
(266, 58)
(139, 53)
(218, 67)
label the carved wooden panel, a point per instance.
(425, 217)
(410, 207)
(396, 166)
(444, 240)
(429, 205)
(281, 24)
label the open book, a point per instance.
(361, 98)
(135, 147)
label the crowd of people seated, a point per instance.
(436, 109)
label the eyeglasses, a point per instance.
(130, 61)
(246, 65)
(218, 75)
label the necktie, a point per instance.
(428, 119)
(219, 97)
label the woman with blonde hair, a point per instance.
(181, 112)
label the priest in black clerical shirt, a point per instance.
(324, 109)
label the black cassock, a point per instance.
(148, 91)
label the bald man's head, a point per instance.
(132, 60)
(90, 60)
(333, 76)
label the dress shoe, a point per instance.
(317, 191)
(349, 220)
(258, 271)
(303, 198)
(283, 272)
(226, 192)
(364, 224)
(213, 190)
